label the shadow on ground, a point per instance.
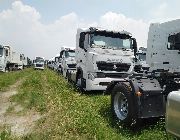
(135, 129)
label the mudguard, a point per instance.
(151, 103)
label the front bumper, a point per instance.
(41, 68)
(99, 83)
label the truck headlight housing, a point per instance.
(94, 75)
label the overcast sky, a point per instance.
(42, 27)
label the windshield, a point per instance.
(1, 51)
(111, 42)
(70, 54)
(39, 61)
(142, 57)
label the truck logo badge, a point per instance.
(114, 60)
(114, 67)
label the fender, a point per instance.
(111, 86)
(151, 101)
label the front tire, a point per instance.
(79, 82)
(122, 104)
(6, 69)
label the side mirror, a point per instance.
(81, 40)
(134, 45)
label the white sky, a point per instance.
(36, 30)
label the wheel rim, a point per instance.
(121, 105)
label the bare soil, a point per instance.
(20, 124)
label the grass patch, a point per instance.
(75, 116)
(30, 94)
(71, 115)
(5, 133)
(7, 79)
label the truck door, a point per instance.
(83, 44)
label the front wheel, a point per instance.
(122, 104)
(79, 82)
(6, 69)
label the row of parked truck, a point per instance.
(110, 61)
(12, 60)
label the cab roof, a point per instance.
(99, 29)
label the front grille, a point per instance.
(39, 65)
(119, 67)
(71, 65)
(145, 68)
(115, 75)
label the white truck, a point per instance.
(101, 57)
(141, 56)
(51, 63)
(39, 63)
(10, 59)
(67, 61)
(57, 63)
(24, 61)
(144, 95)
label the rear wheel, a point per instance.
(122, 104)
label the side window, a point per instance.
(86, 41)
(66, 54)
(61, 53)
(174, 42)
(81, 40)
(7, 53)
(63, 56)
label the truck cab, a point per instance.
(165, 55)
(141, 56)
(2, 58)
(39, 63)
(57, 63)
(68, 63)
(103, 56)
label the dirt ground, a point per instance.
(19, 123)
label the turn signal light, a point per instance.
(138, 93)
